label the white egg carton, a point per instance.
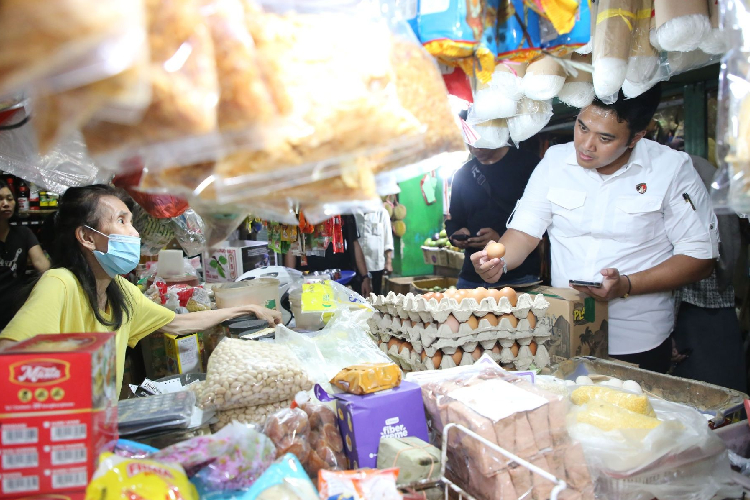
(416, 308)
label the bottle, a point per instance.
(33, 196)
(23, 195)
(44, 200)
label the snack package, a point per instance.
(155, 233)
(612, 42)
(57, 45)
(562, 42)
(513, 18)
(361, 484)
(130, 449)
(452, 30)
(161, 206)
(118, 477)
(521, 418)
(310, 433)
(184, 89)
(561, 14)
(367, 378)
(284, 480)
(250, 415)
(242, 373)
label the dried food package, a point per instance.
(56, 45)
(184, 88)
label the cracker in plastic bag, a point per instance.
(368, 378)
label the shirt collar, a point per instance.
(639, 157)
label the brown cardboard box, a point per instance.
(424, 286)
(580, 325)
(402, 284)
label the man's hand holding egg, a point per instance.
(488, 262)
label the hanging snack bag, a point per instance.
(451, 30)
(518, 27)
(560, 43)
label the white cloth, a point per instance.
(596, 223)
(375, 237)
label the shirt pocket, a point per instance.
(567, 207)
(637, 219)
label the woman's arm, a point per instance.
(198, 321)
(38, 259)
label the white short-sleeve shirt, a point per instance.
(654, 207)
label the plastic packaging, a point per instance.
(342, 343)
(562, 15)
(644, 58)
(532, 117)
(679, 458)
(564, 42)
(499, 98)
(578, 90)
(284, 480)
(680, 27)
(451, 32)
(155, 233)
(362, 484)
(242, 373)
(717, 40)
(493, 134)
(612, 45)
(531, 425)
(250, 415)
(56, 45)
(311, 433)
(161, 206)
(163, 411)
(367, 378)
(231, 459)
(118, 477)
(130, 449)
(544, 78)
(512, 20)
(189, 229)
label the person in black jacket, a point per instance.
(484, 193)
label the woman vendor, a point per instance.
(18, 245)
(94, 244)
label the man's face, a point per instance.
(600, 138)
(488, 156)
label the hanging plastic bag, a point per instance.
(561, 43)
(189, 229)
(155, 233)
(160, 206)
(519, 26)
(532, 117)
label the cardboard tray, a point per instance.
(722, 405)
(424, 286)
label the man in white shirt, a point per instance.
(376, 240)
(622, 211)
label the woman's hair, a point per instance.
(80, 206)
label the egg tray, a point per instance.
(437, 336)
(417, 308)
(500, 352)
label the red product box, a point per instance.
(73, 495)
(53, 453)
(70, 371)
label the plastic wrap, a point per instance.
(189, 229)
(452, 32)
(184, 89)
(561, 15)
(118, 477)
(368, 378)
(252, 415)
(493, 134)
(310, 433)
(578, 90)
(680, 457)
(644, 58)
(519, 417)
(284, 480)
(680, 27)
(56, 45)
(163, 411)
(612, 45)
(544, 78)
(717, 40)
(155, 233)
(232, 459)
(573, 39)
(342, 343)
(68, 164)
(532, 117)
(499, 98)
(360, 485)
(131, 449)
(242, 373)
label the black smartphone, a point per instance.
(459, 236)
(592, 284)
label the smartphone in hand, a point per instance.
(459, 236)
(592, 284)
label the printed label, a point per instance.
(68, 432)
(20, 459)
(20, 484)
(20, 435)
(506, 399)
(69, 479)
(393, 429)
(39, 372)
(69, 456)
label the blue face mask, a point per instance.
(123, 254)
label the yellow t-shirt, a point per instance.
(58, 304)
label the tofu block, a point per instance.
(525, 442)
(479, 455)
(557, 413)
(522, 482)
(576, 471)
(542, 487)
(539, 421)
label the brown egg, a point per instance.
(437, 358)
(392, 342)
(428, 296)
(452, 323)
(532, 348)
(407, 345)
(450, 293)
(514, 349)
(495, 250)
(494, 320)
(426, 325)
(511, 294)
(513, 320)
(496, 349)
(477, 353)
(494, 293)
(457, 356)
(482, 291)
(473, 322)
(532, 320)
(438, 296)
(474, 294)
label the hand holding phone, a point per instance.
(459, 236)
(591, 284)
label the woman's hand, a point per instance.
(490, 270)
(272, 316)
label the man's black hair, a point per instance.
(637, 112)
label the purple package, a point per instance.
(364, 420)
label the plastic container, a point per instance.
(260, 291)
(170, 263)
(304, 320)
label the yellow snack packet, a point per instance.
(120, 478)
(368, 378)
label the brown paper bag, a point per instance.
(614, 27)
(666, 10)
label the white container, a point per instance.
(260, 291)
(304, 320)
(170, 263)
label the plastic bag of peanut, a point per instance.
(245, 373)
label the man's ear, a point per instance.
(86, 238)
(640, 135)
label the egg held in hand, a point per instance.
(495, 250)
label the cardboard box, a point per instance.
(580, 325)
(434, 256)
(183, 353)
(424, 286)
(69, 495)
(57, 412)
(402, 284)
(364, 420)
(229, 262)
(58, 372)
